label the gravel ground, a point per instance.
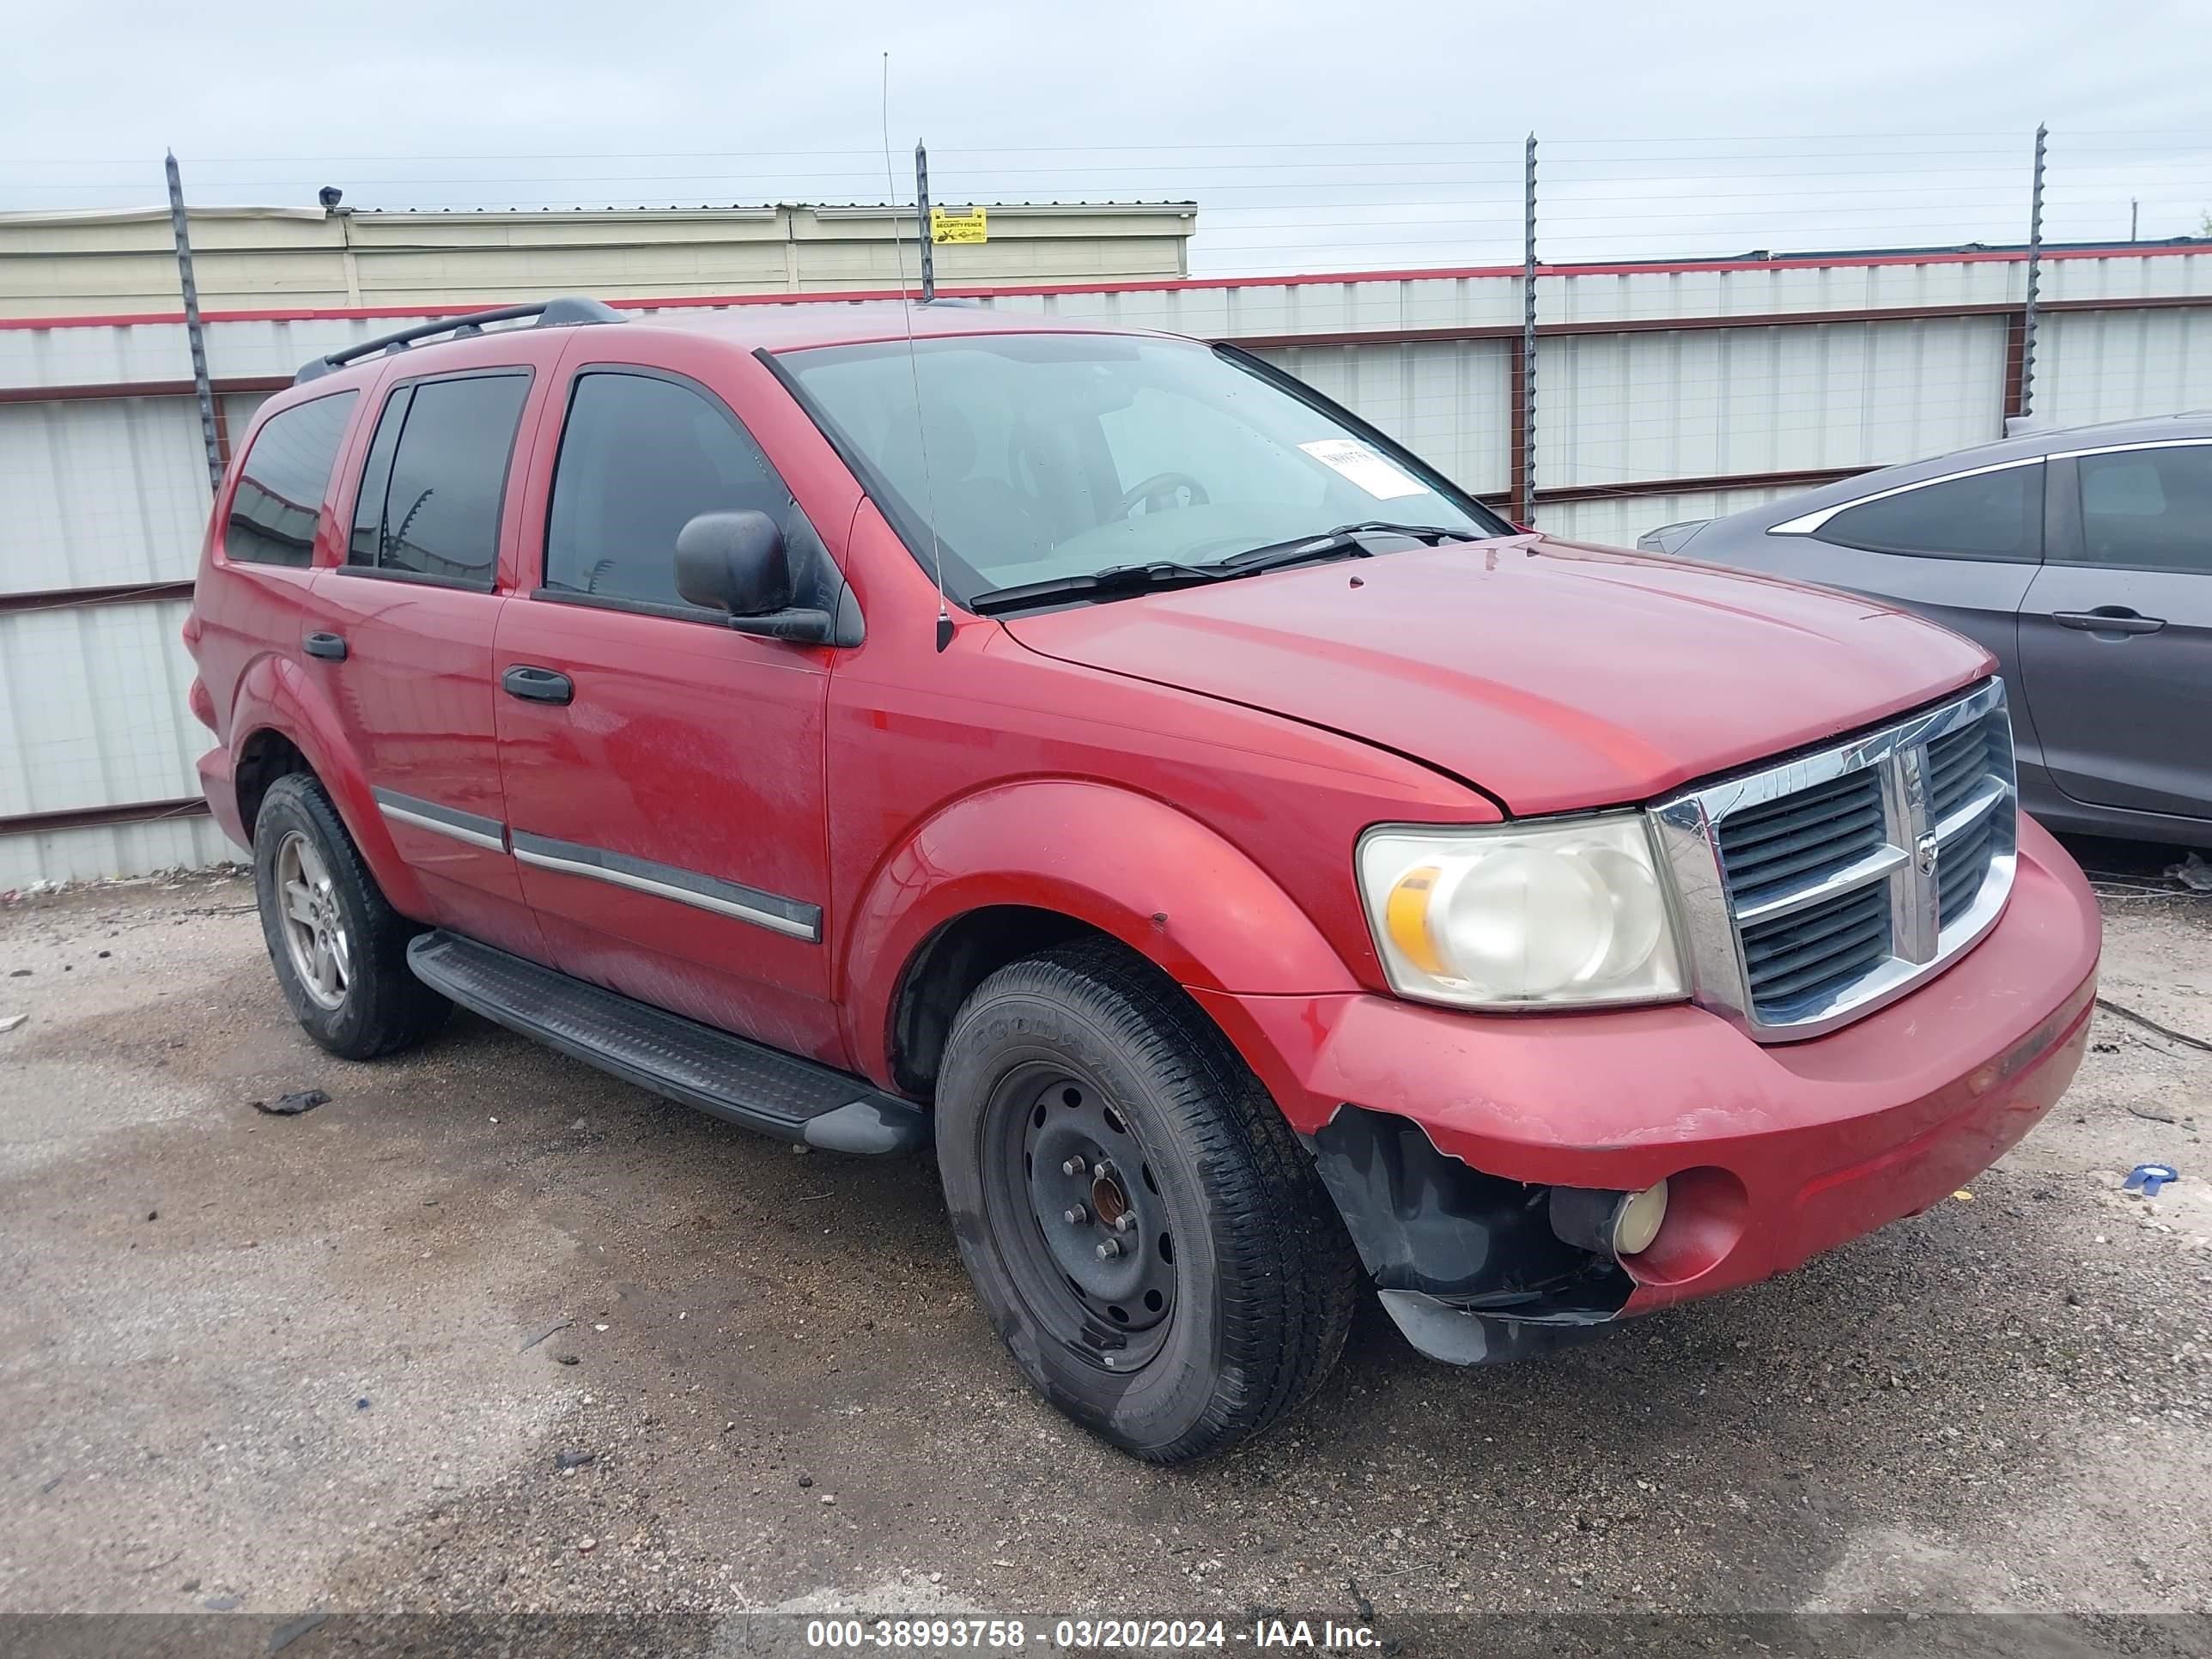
(339, 1360)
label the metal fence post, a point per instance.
(2034, 281)
(1523, 462)
(194, 335)
(922, 209)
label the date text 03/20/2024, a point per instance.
(1009, 1635)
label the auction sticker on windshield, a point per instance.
(1378, 476)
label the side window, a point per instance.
(2147, 509)
(1990, 515)
(641, 457)
(436, 474)
(368, 507)
(279, 499)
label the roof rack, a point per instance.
(570, 311)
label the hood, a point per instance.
(1552, 676)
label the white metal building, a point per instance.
(105, 263)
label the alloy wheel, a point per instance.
(315, 935)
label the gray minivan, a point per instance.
(2081, 558)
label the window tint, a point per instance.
(279, 498)
(1990, 515)
(2147, 509)
(437, 469)
(640, 458)
(376, 479)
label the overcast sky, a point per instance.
(1313, 135)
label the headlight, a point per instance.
(1520, 914)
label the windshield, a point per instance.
(1043, 457)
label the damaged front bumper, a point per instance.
(1467, 1264)
(1440, 1135)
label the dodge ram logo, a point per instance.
(1926, 852)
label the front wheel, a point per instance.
(1151, 1240)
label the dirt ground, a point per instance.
(339, 1360)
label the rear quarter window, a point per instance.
(436, 477)
(1986, 515)
(279, 499)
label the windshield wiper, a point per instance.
(1332, 544)
(1119, 579)
(1097, 584)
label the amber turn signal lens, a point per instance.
(1405, 914)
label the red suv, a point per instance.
(1253, 863)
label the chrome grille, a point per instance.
(1771, 849)
(1818, 889)
(1811, 953)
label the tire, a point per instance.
(358, 999)
(1089, 1052)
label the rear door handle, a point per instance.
(538, 684)
(2109, 619)
(331, 648)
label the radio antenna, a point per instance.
(914, 371)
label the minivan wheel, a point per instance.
(1143, 1227)
(339, 948)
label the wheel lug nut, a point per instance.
(1076, 1216)
(1073, 1167)
(1109, 1250)
(1127, 1221)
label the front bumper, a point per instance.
(1774, 1152)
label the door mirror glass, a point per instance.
(733, 562)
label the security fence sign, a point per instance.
(946, 226)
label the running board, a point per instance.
(745, 1083)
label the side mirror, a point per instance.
(733, 562)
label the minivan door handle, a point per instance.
(535, 685)
(2109, 619)
(331, 648)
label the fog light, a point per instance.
(1636, 1222)
(1608, 1224)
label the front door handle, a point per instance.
(538, 684)
(331, 648)
(2109, 619)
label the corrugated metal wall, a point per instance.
(1616, 408)
(108, 491)
(2109, 365)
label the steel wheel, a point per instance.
(1151, 1240)
(314, 926)
(1079, 1215)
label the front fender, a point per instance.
(1154, 877)
(276, 695)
